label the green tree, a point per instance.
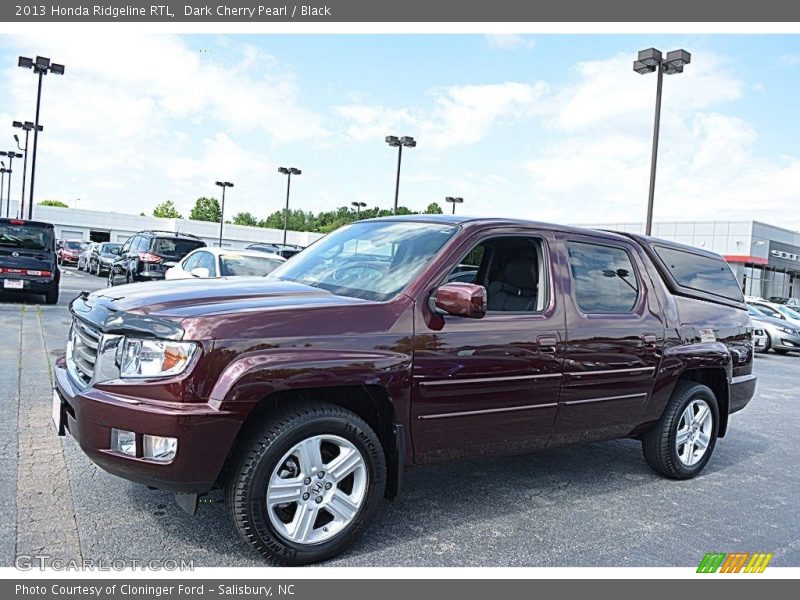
(206, 209)
(57, 203)
(434, 209)
(167, 210)
(245, 218)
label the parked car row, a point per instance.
(777, 327)
(155, 255)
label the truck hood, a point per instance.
(179, 299)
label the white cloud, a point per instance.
(132, 105)
(460, 114)
(609, 92)
(510, 41)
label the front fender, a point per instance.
(255, 375)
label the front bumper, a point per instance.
(785, 341)
(205, 435)
(742, 390)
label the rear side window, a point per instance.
(701, 273)
(176, 246)
(603, 278)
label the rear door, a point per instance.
(615, 337)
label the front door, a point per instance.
(614, 340)
(490, 385)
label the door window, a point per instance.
(207, 261)
(191, 262)
(512, 269)
(603, 278)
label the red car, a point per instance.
(68, 252)
(307, 393)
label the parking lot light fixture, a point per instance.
(41, 67)
(399, 142)
(223, 185)
(27, 127)
(648, 61)
(288, 171)
(359, 206)
(454, 201)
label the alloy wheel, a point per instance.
(694, 432)
(316, 489)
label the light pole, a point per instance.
(288, 171)
(26, 126)
(11, 154)
(399, 143)
(359, 206)
(648, 61)
(454, 201)
(3, 172)
(41, 67)
(223, 185)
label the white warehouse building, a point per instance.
(98, 226)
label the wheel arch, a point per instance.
(716, 378)
(372, 403)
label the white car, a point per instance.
(205, 263)
(777, 311)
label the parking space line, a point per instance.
(45, 507)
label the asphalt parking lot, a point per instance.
(596, 505)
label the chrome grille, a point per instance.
(85, 340)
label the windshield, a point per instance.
(234, 265)
(788, 313)
(72, 245)
(754, 311)
(25, 236)
(373, 260)
(108, 248)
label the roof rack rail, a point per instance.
(181, 233)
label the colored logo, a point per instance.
(736, 562)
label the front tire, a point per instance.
(680, 445)
(307, 482)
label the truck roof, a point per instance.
(498, 221)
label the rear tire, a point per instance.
(274, 463)
(661, 444)
(51, 297)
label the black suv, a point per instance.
(147, 255)
(28, 258)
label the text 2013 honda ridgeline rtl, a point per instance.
(399, 342)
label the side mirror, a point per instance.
(460, 300)
(200, 272)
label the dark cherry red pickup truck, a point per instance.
(399, 342)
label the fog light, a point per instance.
(123, 442)
(162, 449)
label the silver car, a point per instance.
(781, 336)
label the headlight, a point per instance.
(788, 330)
(154, 358)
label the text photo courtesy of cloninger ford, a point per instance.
(378, 300)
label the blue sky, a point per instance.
(554, 128)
